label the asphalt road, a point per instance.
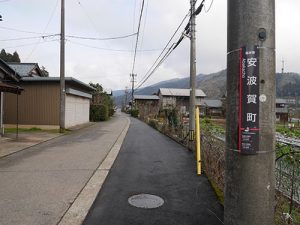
(151, 163)
(40, 183)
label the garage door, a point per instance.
(77, 110)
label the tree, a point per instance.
(101, 104)
(3, 55)
(44, 72)
(15, 57)
(8, 57)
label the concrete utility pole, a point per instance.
(132, 87)
(250, 156)
(62, 70)
(192, 72)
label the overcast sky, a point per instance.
(110, 62)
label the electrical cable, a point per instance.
(166, 46)
(170, 50)
(101, 39)
(46, 27)
(30, 44)
(109, 49)
(28, 38)
(209, 7)
(21, 31)
(137, 37)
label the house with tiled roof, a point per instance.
(171, 98)
(26, 69)
(39, 104)
(147, 105)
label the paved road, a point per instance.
(39, 184)
(151, 163)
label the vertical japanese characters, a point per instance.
(249, 104)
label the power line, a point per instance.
(29, 44)
(170, 50)
(21, 31)
(146, 76)
(137, 36)
(50, 19)
(109, 49)
(88, 16)
(101, 39)
(28, 38)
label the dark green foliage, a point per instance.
(98, 113)
(111, 112)
(94, 113)
(102, 106)
(104, 114)
(172, 116)
(8, 57)
(134, 113)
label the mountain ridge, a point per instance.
(214, 85)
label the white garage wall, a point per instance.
(77, 110)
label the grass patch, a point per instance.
(32, 129)
(290, 132)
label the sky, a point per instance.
(109, 62)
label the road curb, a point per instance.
(77, 212)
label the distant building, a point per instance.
(282, 113)
(171, 98)
(213, 107)
(148, 105)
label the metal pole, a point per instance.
(250, 179)
(62, 70)
(192, 73)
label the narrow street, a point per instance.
(39, 184)
(151, 163)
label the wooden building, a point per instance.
(213, 108)
(171, 98)
(147, 105)
(39, 103)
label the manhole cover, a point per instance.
(146, 201)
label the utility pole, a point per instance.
(62, 70)
(126, 93)
(282, 69)
(192, 72)
(132, 88)
(250, 123)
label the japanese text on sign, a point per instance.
(249, 104)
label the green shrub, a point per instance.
(134, 113)
(98, 113)
(104, 113)
(111, 112)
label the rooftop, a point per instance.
(180, 92)
(146, 97)
(24, 69)
(56, 79)
(213, 103)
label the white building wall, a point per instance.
(77, 110)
